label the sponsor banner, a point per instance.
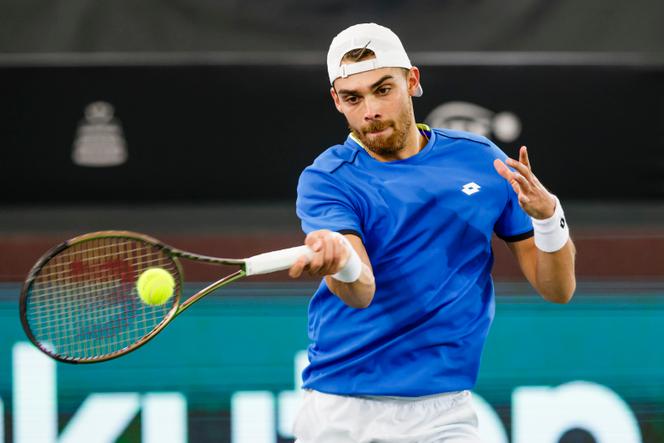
(228, 370)
(224, 132)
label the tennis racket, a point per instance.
(79, 303)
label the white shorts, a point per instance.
(327, 418)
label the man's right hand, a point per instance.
(330, 255)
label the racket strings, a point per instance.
(109, 256)
(83, 303)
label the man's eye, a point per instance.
(352, 99)
(383, 90)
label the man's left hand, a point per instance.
(533, 196)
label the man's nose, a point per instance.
(371, 111)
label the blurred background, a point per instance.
(191, 121)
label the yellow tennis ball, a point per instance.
(155, 286)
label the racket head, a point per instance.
(79, 303)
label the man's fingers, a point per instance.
(324, 251)
(516, 187)
(518, 182)
(532, 196)
(313, 241)
(523, 157)
(523, 183)
(317, 260)
(502, 169)
(328, 256)
(296, 270)
(523, 169)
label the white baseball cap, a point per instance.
(381, 40)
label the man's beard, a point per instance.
(386, 145)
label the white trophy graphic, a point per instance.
(99, 139)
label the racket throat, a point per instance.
(210, 288)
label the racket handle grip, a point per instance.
(276, 260)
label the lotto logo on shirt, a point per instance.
(471, 188)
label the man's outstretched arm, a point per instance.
(546, 260)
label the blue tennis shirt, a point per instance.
(426, 223)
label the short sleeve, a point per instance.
(323, 203)
(513, 224)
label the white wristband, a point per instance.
(552, 233)
(353, 267)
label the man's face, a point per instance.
(378, 107)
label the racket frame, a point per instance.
(173, 253)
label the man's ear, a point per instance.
(413, 80)
(335, 98)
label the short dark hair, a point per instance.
(357, 55)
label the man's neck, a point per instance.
(414, 143)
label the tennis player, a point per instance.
(400, 217)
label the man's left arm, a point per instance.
(547, 259)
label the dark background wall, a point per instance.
(242, 130)
(234, 25)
